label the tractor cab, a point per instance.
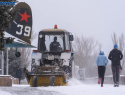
(54, 41)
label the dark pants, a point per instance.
(115, 71)
(19, 79)
(101, 73)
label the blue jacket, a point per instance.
(101, 60)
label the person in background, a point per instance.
(115, 56)
(101, 61)
(18, 74)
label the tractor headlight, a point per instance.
(40, 36)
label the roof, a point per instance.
(54, 30)
(19, 45)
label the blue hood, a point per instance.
(101, 53)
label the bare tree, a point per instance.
(26, 52)
(114, 38)
(100, 46)
(33, 35)
(84, 48)
(86, 51)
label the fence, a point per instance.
(107, 80)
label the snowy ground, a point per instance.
(75, 87)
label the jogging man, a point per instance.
(115, 56)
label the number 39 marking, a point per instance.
(27, 30)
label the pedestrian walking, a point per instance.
(101, 61)
(18, 74)
(115, 56)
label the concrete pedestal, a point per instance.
(5, 80)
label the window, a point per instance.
(51, 43)
(67, 42)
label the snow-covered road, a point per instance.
(75, 88)
(26, 90)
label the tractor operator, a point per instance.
(55, 46)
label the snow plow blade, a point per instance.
(45, 81)
(45, 78)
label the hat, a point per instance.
(115, 46)
(101, 52)
(55, 38)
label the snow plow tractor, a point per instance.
(52, 62)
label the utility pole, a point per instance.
(84, 73)
(2, 64)
(7, 60)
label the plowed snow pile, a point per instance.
(75, 87)
(74, 82)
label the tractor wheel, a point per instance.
(71, 66)
(52, 80)
(33, 64)
(68, 69)
(34, 81)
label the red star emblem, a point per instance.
(25, 16)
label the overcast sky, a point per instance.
(90, 18)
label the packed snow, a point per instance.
(75, 87)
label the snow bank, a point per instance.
(4, 93)
(20, 85)
(84, 89)
(93, 89)
(73, 82)
(5, 75)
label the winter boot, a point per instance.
(117, 84)
(99, 80)
(101, 85)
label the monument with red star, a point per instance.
(22, 26)
(25, 16)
